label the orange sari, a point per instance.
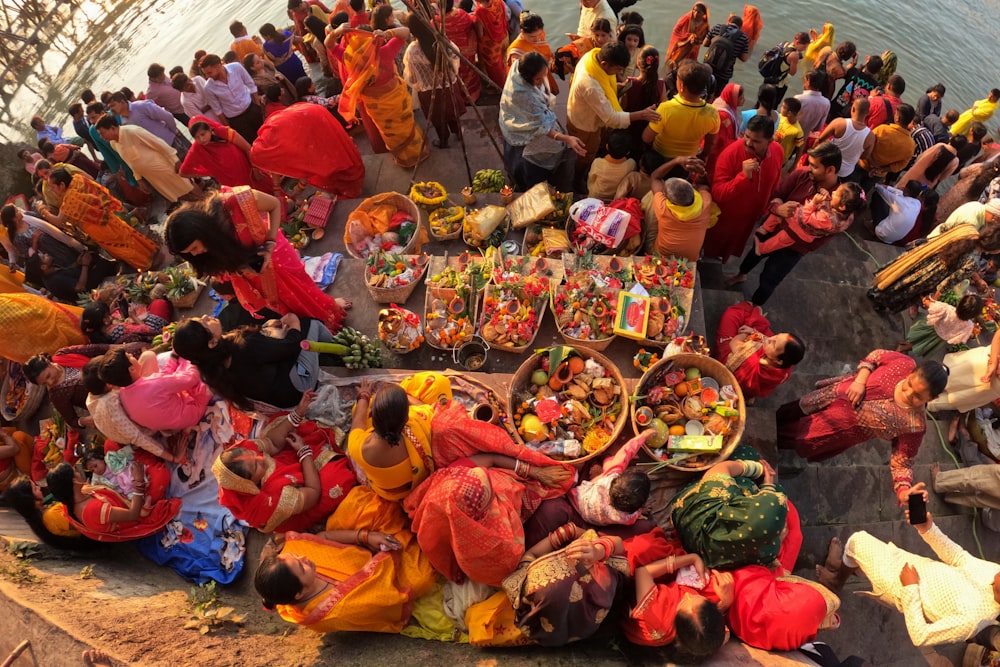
(493, 17)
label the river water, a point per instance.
(112, 42)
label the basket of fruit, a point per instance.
(428, 194)
(607, 271)
(19, 399)
(446, 222)
(512, 314)
(399, 329)
(391, 278)
(568, 403)
(521, 268)
(696, 407)
(387, 222)
(585, 313)
(183, 289)
(670, 284)
(449, 316)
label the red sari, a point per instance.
(222, 160)
(756, 379)
(94, 521)
(459, 28)
(729, 122)
(492, 16)
(306, 142)
(832, 425)
(285, 288)
(270, 508)
(742, 201)
(469, 520)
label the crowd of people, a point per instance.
(417, 493)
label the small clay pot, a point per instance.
(485, 412)
(614, 265)
(564, 374)
(456, 306)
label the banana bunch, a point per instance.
(488, 180)
(361, 352)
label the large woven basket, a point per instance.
(402, 203)
(398, 294)
(709, 368)
(29, 404)
(447, 294)
(540, 304)
(522, 379)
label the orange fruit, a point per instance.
(681, 390)
(677, 429)
(576, 365)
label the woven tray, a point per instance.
(540, 304)
(400, 294)
(401, 203)
(709, 368)
(447, 294)
(522, 379)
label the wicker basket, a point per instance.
(540, 305)
(445, 237)
(522, 379)
(446, 294)
(29, 405)
(401, 293)
(401, 203)
(597, 344)
(189, 299)
(709, 368)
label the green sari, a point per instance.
(731, 521)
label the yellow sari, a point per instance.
(370, 593)
(389, 103)
(24, 317)
(91, 208)
(430, 388)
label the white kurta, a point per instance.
(952, 602)
(151, 159)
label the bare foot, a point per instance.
(733, 281)
(344, 303)
(829, 571)
(96, 658)
(935, 469)
(953, 430)
(832, 572)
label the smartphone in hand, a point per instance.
(918, 509)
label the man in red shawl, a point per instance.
(745, 176)
(759, 358)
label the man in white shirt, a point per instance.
(815, 107)
(232, 94)
(895, 211)
(193, 99)
(589, 110)
(942, 602)
(590, 10)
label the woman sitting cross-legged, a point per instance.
(288, 479)
(362, 574)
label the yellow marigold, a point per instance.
(595, 440)
(429, 193)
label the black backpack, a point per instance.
(721, 52)
(770, 64)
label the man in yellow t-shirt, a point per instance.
(789, 133)
(687, 125)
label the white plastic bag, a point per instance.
(602, 223)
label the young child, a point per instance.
(823, 215)
(789, 133)
(607, 172)
(272, 95)
(113, 469)
(618, 494)
(943, 325)
(127, 323)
